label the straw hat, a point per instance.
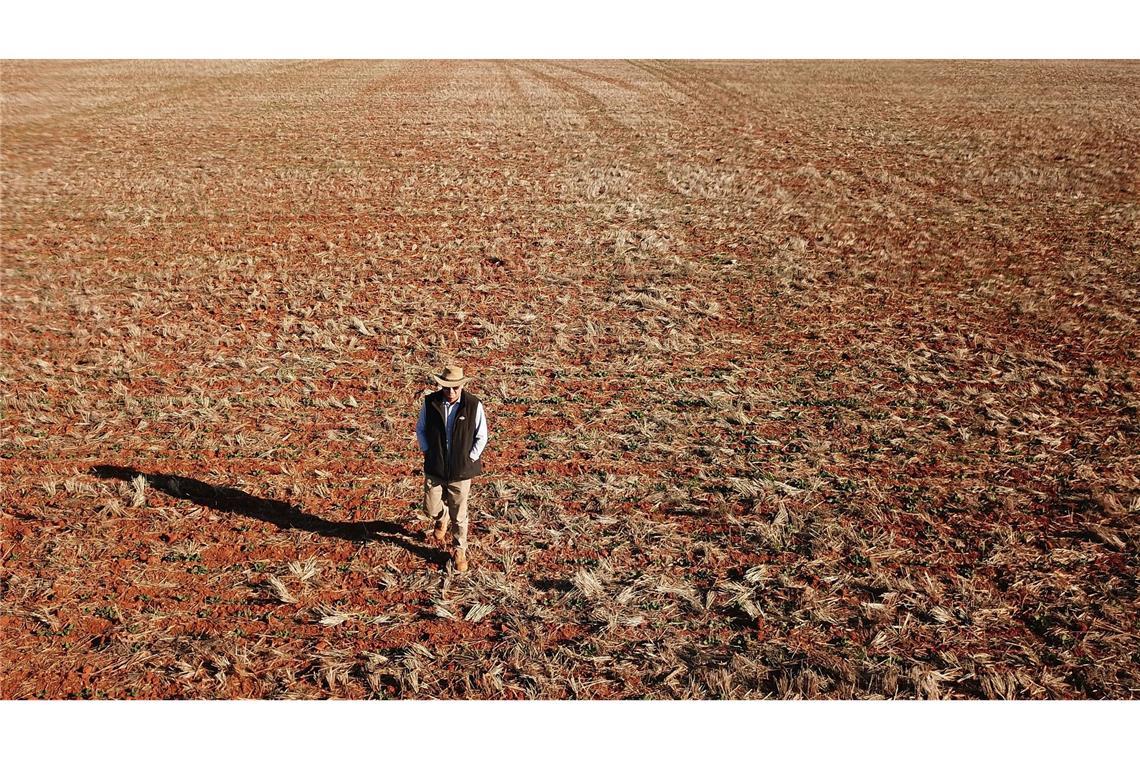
(451, 377)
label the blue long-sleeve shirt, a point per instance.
(449, 413)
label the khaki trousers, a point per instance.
(453, 495)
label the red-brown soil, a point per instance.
(804, 379)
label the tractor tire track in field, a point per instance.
(643, 154)
(701, 92)
(622, 145)
(607, 79)
(781, 193)
(627, 141)
(735, 118)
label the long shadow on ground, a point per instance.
(279, 513)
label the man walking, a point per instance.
(452, 433)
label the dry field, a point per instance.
(805, 380)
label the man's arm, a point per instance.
(480, 433)
(421, 428)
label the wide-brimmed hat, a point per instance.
(451, 377)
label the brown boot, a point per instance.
(438, 533)
(460, 561)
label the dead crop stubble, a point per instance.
(806, 380)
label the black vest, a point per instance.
(457, 464)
